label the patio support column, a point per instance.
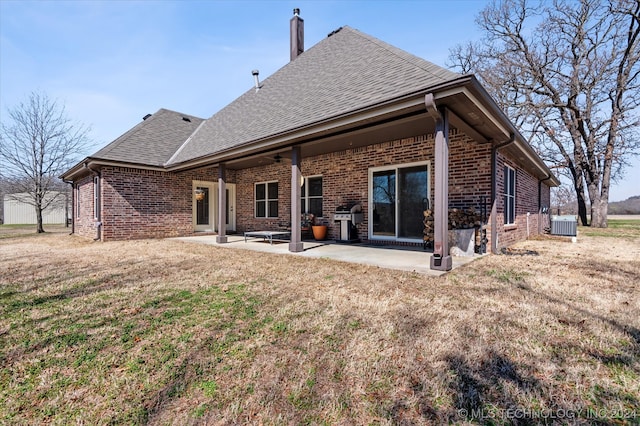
(222, 205)
(440, 260)
(295, 245)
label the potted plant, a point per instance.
(319, 232)
(306, 222)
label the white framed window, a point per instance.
(266, 199)
(96, 197)
(509, 195)
(312, 196)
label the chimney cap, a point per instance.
(255, 72)
(296, 11)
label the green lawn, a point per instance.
(633, 224)
(617, 228)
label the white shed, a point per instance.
(18, 209)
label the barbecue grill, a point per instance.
(349, 217)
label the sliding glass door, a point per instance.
(384, 203)
(396, 201)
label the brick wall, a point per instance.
(153, 204)
(148, 204)
(345, 177)
(84, 222)
(245, 197)
(528, 220)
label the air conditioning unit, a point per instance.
(564, 225)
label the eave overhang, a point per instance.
(384, 115)
(471, 110)
(520, 149)
(85, 167)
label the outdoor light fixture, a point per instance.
(199, 194)
(278, 157)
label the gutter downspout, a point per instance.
(73, 206)
(494, 189)
(99, 207)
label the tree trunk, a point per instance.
(600, 197)
(599, 209)
(39, 218)
(38, 206)
(578, 185)
(582, 207)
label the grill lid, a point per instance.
(349, 208)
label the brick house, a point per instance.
(351, 120)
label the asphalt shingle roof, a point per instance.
(152, 141)
(343, 73)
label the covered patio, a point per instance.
(389, 257)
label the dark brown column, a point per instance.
(440, 260)
(296, 238)
(222, 205)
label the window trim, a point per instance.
(509, 194)
(305, 199)
(266, 200)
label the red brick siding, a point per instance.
(245, 197)
(527, 196)
(149, 204)
(345, 176)
(84, 222)
(153, 204)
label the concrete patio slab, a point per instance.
(391, 257)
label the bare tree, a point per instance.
(563, 198)
(568, 73)
(37, 144)
(4, 186)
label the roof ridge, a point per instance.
(117, 141)
(153, 139)
(399, 53)
(179, 113)
(185, 143)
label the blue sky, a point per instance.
(112, 62)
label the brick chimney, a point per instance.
(297, 34)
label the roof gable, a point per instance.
(153, 141)
(343, 73)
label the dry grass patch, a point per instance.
(169, 332)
